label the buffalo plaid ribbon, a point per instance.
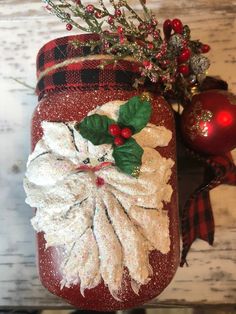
(198, 220)
(61, 65)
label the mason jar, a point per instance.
(74, 80)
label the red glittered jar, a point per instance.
(71, 84)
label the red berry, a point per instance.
(98, 14)
(69, 27)
(156, 34)
(205, 48)
(147, 63)
(140, 42)
(183, 69)
(167, 28)
(141, 27)
(119, 29)
(184, 56)
(119, 141)
(117, 12)
(114, 129)
(154, 22)
(90, 8)
(150, 46)
(110, 20)
(126, 133)
(149, 28)
(164, 64)
(177, 26)
(48, 8)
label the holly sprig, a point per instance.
(133, 116)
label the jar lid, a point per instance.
(62, 65)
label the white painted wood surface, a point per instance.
(210, 278)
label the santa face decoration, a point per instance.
(103, 219)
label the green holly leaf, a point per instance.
(128, 157)
(135, 114)
(95, 129)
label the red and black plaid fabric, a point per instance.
(198, 220)
(83, 75)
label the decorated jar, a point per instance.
(106, 209)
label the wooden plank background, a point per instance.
(210, 279)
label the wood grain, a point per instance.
(210, 279)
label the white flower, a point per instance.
(103, 219)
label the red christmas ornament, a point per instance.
(209, 124)
(114, 129)
(177, 26)
(126, 133)
(119, 141)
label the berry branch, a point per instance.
(172, 61)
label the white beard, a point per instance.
(101, 229)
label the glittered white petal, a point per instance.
(39, 149)
(67, 228)
(99, 151)
(148, 201)
(111, 266)
(154, 225)
(153, 136)
(81, 144)
(151, 160)
(59, 198)
(135, 246)
(110, 109)
(126, 183)
(164, 171)
(59, 138)
(82, 264)
(81, 185)
(53, 200)
(47, 169)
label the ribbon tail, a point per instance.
(198, 219)
(197, 222)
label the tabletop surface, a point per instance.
(210, 278)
